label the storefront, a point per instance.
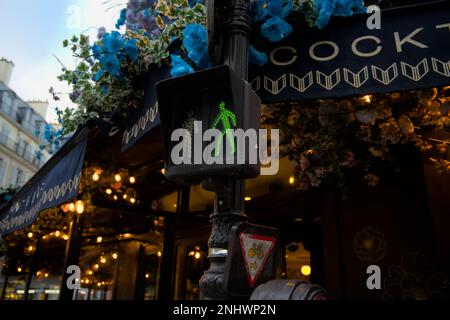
(136, 235)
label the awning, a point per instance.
(54, 184)
(410, 50)
(146, 117)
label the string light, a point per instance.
(248, 199)
(147, 275)
(66, 237)
(96, 266)
(99, 239)
(291, 180)
(118, 177)
(57, 234)
(30, 235)
(367, 98)
(115, 256)
(46, 275)
(133, 200)
(95, 177)
(132, 180)
(159, 254)
(38, 274)
(115, 198)
(108, 191)
(103, 260)
(163, 171)
(90, 272)
(125, 197)
(79, 206)
(198, 255)
(19, 269)
(72, 207)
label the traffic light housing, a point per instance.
(218, 99)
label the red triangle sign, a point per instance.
(256, 250)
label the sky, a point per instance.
(32, 32)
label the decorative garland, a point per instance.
(326, 140)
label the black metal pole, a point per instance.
(72, 257)
(230, 194)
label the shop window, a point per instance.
(196, 264)
(298, 262)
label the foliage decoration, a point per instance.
(328, 139)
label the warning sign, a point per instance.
(256, 250)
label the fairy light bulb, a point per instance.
(79, 207)
(132, 180)
(118, 177)
(95, 177)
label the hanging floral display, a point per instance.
(329, 139)
(325, 139)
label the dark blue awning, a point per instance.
(54, 184)
(146, 117)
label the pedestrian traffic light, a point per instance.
(210, 124)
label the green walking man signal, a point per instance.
(224, 117)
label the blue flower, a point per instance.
(97, 51)
(257, 57)
(111, 64)
(123, 18)
(192, 3)
(179, 66)
(327, 8)
(132, 49)
(275, 29)
(113, 42)
(196, 43)
(258, 10)
(279, 8)
(98, 75)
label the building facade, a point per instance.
(22, 131)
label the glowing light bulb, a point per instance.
(132, 180)
(57, 234)
(133, 200)
(95, 177)
(46, 275)
(306, 270)
(96, 266)
(79, 206)
(118, 177)
(248, 199)
(99, 239)
(147, 275)
(115, 198)
(198, 255)
(30, 235)
(108, 191)
(115, 256)
(159, 254)
(72, 207)
(367, 98)
(103, 260)
(163, 171)
(125, 197)
(291, 180)
(19, 269)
